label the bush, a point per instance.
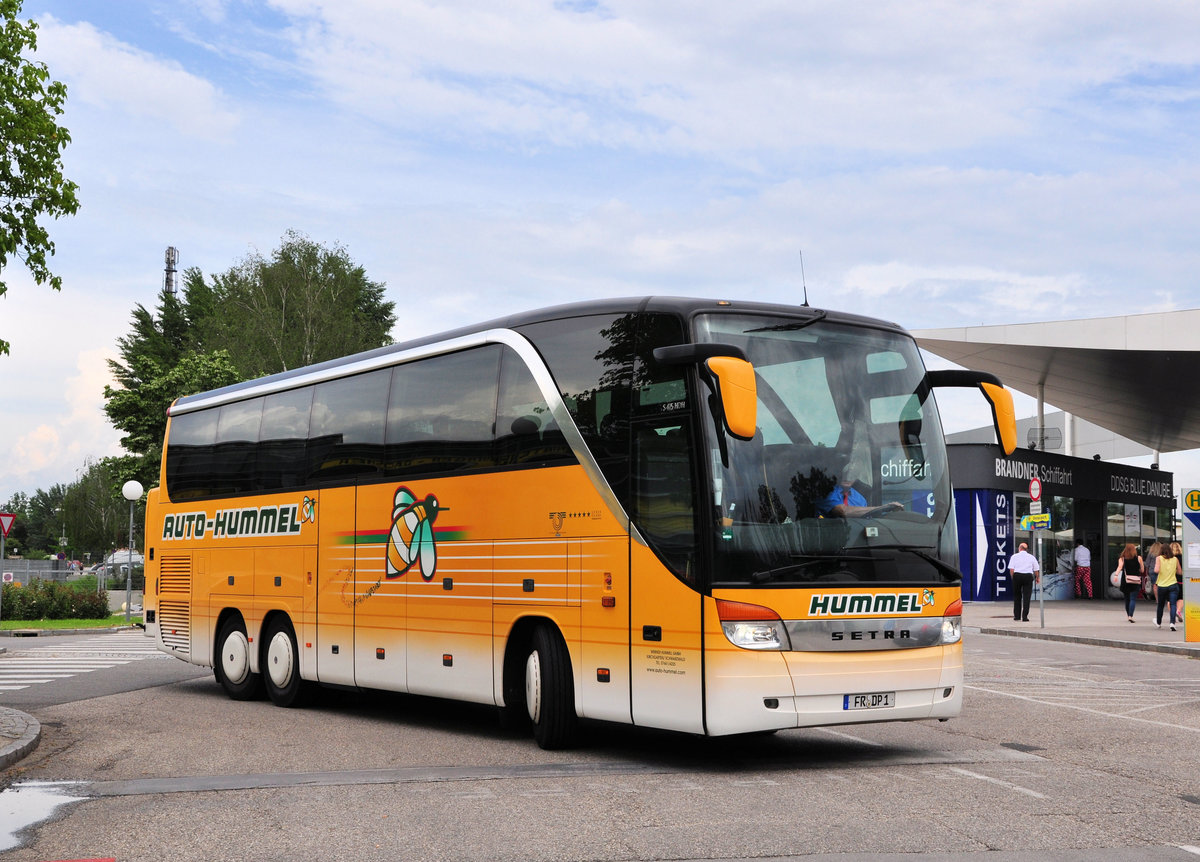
(49, 600)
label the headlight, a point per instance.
(951, 630)
(757, 634)
(752, 626)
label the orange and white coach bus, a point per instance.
(707, 516)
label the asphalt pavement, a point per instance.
(1100, 623)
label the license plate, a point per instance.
(874, 700)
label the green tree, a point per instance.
(44, 522)
(308, 303)
(32, 185)
(95, 513)
(305, 304)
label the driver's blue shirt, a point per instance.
(840, 496)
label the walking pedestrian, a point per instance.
(1083, 568)
(1023, 569)
(1132, 574)
(1165, 584)
(1152, 552)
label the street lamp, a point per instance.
(132, 491)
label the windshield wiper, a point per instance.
(922, 551)
(795, 568)
(818, 315)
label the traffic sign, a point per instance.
(6, 522)
(1035, 489)
(8, 577)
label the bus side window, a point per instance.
(526, 432)
(190, 455)
(441, 412)
(236, 453)
(591, 359)
(283, 440)
(346, 427)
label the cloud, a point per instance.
(723, 79)
(104, 72)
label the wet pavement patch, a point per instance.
(26, 805)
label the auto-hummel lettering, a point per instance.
(226, 523)
(861, 604)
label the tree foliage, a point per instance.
(305, 304)
(32, 185)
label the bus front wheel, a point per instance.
(281, 664)
(232, 667)
(550, 690)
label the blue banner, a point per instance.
(994, 546)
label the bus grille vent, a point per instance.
(173, 626)
(175, 575)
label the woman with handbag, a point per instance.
(1131, 570)
(1166, 583)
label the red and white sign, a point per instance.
(6, 522)
(1035, 489)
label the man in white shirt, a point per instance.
(1083, 568)
(1023, 568)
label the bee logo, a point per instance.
(927, 598)
(411, 539)
(308, 510)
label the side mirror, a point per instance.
(738, 393)
(1004, 415)
(736, 389)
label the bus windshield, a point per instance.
(846, 479)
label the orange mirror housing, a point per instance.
(738, 392)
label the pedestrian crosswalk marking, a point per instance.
(36, 666)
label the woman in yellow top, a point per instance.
(1166, 568)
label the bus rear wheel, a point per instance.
(232, 665)
(550, 690)
(281, 664)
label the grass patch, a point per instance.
(114, 620)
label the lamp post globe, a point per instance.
(132, 491)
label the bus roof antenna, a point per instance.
(803, 282)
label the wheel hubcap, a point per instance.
(533, 686)
(280, 659)
(235, 658)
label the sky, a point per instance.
(931, 163)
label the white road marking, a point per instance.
(1015, 787)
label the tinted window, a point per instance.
(346, 425)
(526, 432)
(591, 359)
(190, 454)
(283, 440)
(441, 413)
(236, 453)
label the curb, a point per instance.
(1186, 652)
(47, 633)
(25, 731)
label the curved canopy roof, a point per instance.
(1138, 376)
